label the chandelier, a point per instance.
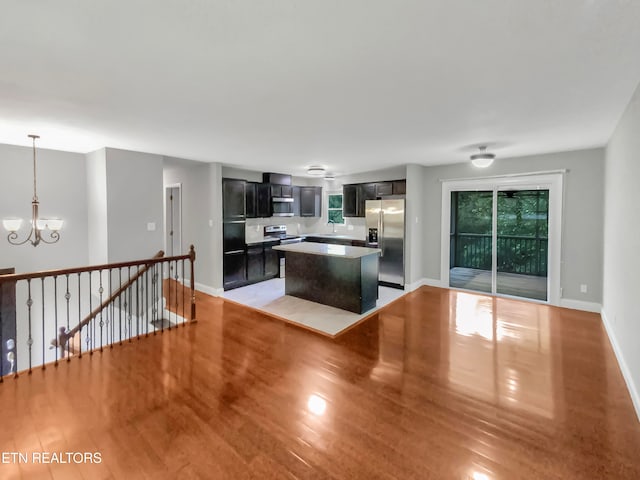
(50, 226)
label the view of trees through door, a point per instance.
(499, 241)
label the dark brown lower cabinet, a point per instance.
(271, 262)
(255, 264)
(234, 269)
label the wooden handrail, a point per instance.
(107, 266)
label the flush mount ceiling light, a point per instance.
(316, 171)
(38, 225)
(329, 176)
(482, 159)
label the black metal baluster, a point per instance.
(130, 301)
(175, 269)
(30, 338)
(92, 324)
(146, 300)
(113, 310)
(162, 299)
(111, 306)
(157, 296)
(137, 304)
(55, 310)
(100, 291)
(120, 305)
(80, 317)
(153, 294)
(65, 351)
(183, 280)
(43, 342)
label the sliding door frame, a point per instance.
(554, 182)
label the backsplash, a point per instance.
(298, 226)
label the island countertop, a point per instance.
(343, 251)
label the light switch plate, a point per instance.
(151, 226)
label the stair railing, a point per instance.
(133, 299)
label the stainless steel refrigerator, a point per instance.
(385, 230)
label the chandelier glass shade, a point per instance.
(45, 230)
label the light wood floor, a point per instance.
(438, 385)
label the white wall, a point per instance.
(622, 245)
(215, 214)
(134, 199)
(61, 192)
(414, 218)
(96, 163)
(583, 214)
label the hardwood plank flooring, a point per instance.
(438, 385)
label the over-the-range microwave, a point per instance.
(282, 206)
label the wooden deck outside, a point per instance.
(514, 284)
(438, 385)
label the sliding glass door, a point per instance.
(471, 250)
(521, 243)
(499, 237)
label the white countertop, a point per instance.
(332, 235)
(326, 249)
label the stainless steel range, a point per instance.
(279, 232)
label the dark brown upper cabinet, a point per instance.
(310, 201)
(355, 196)
(399, 187)
(263, 207)
(276, 178)
(233, 199)
(350, 200)
(251, 199)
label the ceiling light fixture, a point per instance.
(53, 225)
(329, 176)
(482, 159)
(316, 171)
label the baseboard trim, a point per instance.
(626, 373)
(430, 282)
(214, 292)
(581, 305)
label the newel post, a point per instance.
(192, 259)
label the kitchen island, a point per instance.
(337, 275)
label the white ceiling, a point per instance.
(351, 85)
